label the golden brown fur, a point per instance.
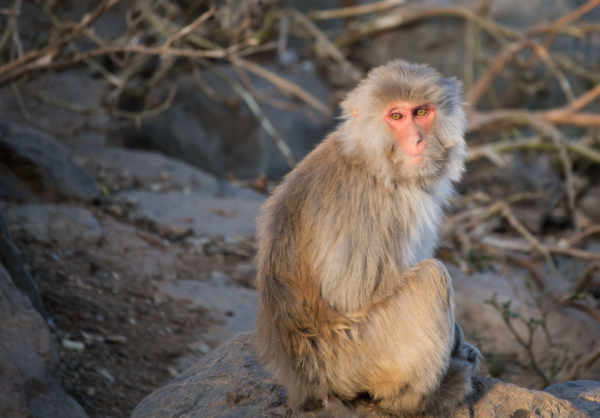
(350, 300)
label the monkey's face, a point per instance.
(407, 122)
(413, 143)
(410, 125)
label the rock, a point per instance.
(72, 345)
(48, 224)
(43, 165)
(204, 214)
(10, 258)
(229, 383)
(149, 165)
(580, 392)
(180, 134)
(29, 383)
(225, 137)
(566, 326)
(74, 86)
(246, 269)
(234, 306)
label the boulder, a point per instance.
(54, 224)
(222, 136)
(10, 258)
(149, 166)
(204, 214)
(229, 383)
(42, 165)
(29, 383)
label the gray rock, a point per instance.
(180, 134)
(10, 257)
(48, 224)
(29, 385)
(232, 305)
(204, 214)
(225, 137)
(42, 164)
(229, 383)
(149, 165)
(581, 393)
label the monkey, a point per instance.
(350, 299)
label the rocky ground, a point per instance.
(135, 300)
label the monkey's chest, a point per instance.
(417, 231)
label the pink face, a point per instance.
(410, 124)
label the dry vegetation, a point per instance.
(199, 34)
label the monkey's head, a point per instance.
(408, 121)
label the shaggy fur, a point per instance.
(350, 300)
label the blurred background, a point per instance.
(139, 138)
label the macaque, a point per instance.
(350, 300)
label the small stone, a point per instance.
(231, 240)
(72, 345)
(218, 277)
(174, 231)
(212, 248)
(203, 348)
(92, 339)
(246, 269)
(116, 339)
(105, 374)
(223, 213)
(131, 200)
(172, 372)
(199, 242)
(114, 210)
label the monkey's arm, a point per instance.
(430, 272)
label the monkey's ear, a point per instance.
(354, 114)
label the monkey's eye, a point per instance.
(396, 116)
(421, 112)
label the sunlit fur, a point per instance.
(349, 298)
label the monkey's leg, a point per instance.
(464, 362)
(464, 351)
(407, 343)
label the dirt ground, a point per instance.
(134, 338)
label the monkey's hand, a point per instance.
(464, 351)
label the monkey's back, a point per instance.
(328, 247)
